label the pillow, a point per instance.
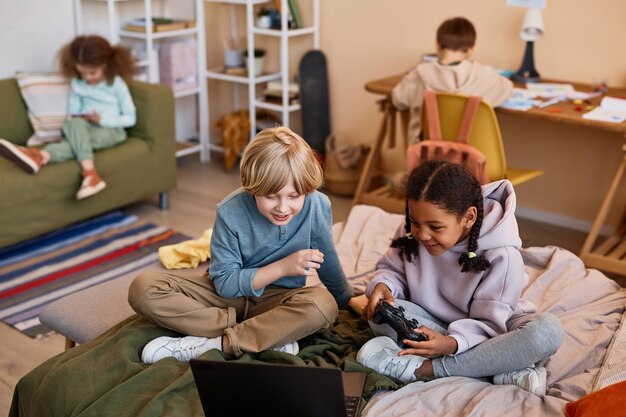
(609, 401)
(46, 96)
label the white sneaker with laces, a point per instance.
(533, 380)
(381, 354)
(292, 348)
(181, 348)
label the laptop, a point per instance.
(243, 389)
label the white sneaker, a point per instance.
(292, 348)
(29, 159)
(92, 184)
(533, 380)
(381, 354)
(181, 348)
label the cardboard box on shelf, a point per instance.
(178, 64)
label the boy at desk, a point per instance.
(453, 72)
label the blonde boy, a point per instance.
(269, 235)
(453, 72)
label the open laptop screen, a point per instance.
(235, 388)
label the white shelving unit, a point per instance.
(164, 8)
(250, 80)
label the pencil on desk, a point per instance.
(548, 103)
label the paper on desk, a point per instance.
(550, 90)
(611, 109)
(582, 95)
(560, 91)
(523, 93)
(521, 99)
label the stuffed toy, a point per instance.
(236, 132)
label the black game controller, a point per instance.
(385, 313)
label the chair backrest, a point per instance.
(484, 135)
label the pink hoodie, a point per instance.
(476, 305)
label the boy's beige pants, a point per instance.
(187, 302)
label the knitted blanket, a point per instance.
(106, 376)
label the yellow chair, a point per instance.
(485, 136)
(388, 154)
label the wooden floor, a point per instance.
(192, 210)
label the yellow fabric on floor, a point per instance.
(187, 254)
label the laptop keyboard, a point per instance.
(352, 405)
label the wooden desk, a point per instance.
(384, 86)
(611, 254)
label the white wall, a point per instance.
(31, 34)
(33, 31)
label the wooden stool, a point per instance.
(610, 256)
(383, 163)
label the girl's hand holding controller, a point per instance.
(436, 345)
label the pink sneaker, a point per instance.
(92, 184)
(29, 159)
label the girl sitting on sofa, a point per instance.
(100, 107)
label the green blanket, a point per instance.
(105, 377)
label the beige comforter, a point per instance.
(589, 304)
(105, 377)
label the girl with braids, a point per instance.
(100, 107)
(455, 267)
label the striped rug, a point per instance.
(37, 272)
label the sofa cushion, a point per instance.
(49, 197)
(14, 124)
(58, 182)
(609, 401)
(145, 164)
(85, 314)
(46, 96)
(25, 190)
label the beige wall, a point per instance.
(29, 37)
(369, 39)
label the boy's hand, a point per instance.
(358, 304)
(436, 345)
(302, 262)
(380, 292)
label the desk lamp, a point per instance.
(532, 29)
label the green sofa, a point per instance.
(144, 165)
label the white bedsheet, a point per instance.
(589, 305)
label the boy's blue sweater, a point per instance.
(243, 241)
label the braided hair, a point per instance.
(453, 188)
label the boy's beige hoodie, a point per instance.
(465, 78)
